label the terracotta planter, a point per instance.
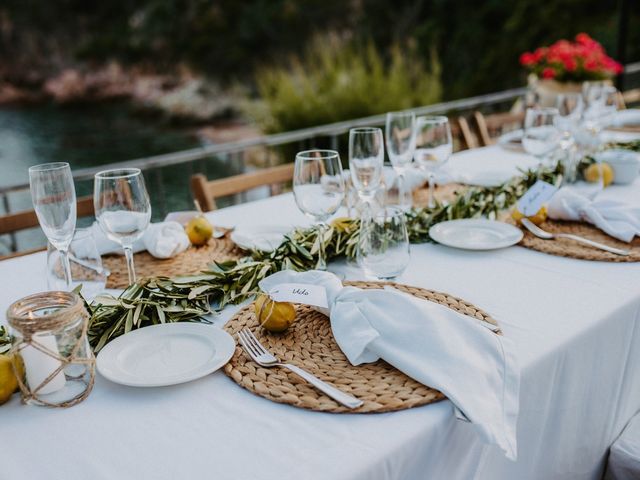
(548, 90)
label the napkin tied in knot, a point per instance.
(433, 344)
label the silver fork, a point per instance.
(264, 358)
(540, 233)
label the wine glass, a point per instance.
(122, 208)
(570, 107)
(366, 157)
(609, 105)
(593, 95)
(400, 136)
(318, 188)
(54, 199)
(383, 244)
(541, 136)
(433, 147)
(86, 265)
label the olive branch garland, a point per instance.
(187, 298)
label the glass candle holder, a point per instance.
(50, 340)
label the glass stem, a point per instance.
(432, 201)
(66, 267)
(128, 253)
(403, 194)
(322, 259)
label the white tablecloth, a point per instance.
(576, 325)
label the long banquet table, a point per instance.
(576, 325)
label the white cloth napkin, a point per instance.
(460, 356)
(617, 219)
(162, 240)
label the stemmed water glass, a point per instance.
(570, 108)
(318, 188)
(400, 136)
(122, 209)
(383, 244)
(541, 136)
(434, 146)
(366, 157)
(54, 199)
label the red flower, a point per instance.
(591, 65)
(527, 59)
(584, 39)
(583, 59)
(548, 73)
(570, 64)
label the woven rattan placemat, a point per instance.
(309, 344)
(191, 261)
(570, 248)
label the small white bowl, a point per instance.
(625, 164)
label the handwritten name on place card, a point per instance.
(303, 293)
(539, 193)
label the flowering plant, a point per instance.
(566, 61)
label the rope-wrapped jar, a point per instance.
(50, 339)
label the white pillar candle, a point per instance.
(38, 365)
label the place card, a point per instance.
(539, 193)
(303, 293)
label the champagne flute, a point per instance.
(541, 136)
(318, 188)
(434, 146)
(54, 199)
(122, 209)
(400, 136)
(366, 157)
(383, 244)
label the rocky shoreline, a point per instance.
(183, 97)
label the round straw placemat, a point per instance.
(309, 344)
(570, 248)
(191, 261)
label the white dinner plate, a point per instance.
(260, 237)
(165, 354)
(475, 234)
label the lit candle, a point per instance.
(38, 365)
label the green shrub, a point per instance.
(337, 80)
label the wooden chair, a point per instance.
(630, 97)
(14, 222)
(206, 191)
(494, 125)
(469, 139)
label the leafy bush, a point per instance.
(338, 80)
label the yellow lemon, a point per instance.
(199, 230)
(342, 224)
(274, 316)
(539, 217)
(8, 380)
(592, 173)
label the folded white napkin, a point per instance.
(456, 354)
(162, 240)
(617, 219)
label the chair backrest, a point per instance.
(206, 191)
(630, 97)
(14, 222)
(492, 126)
(469, 139)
